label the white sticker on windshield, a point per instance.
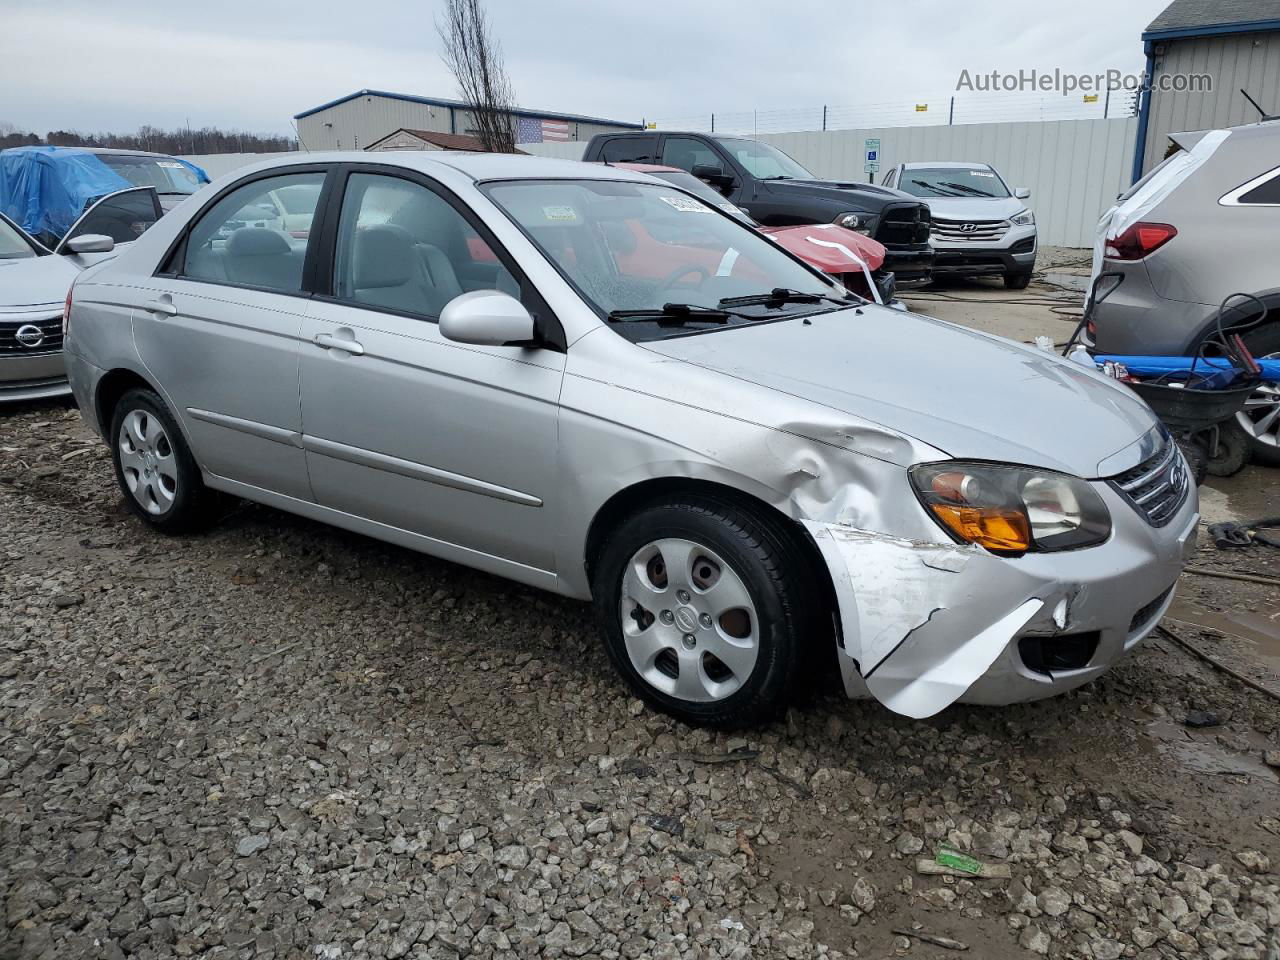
(980, 173)
(171, 164)
(728, 208)
(686, 204)
(563, 214)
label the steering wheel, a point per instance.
(684, 271)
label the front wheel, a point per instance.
(158, 476)
(705, 610)
(1018, 281)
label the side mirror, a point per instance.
(90, 243)
(1022, 193)
(712, 173)
(487, 317)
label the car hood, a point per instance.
(970, 395)
(974, 208)
(828, 247)
(860, 196)
(35, 280)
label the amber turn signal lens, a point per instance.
(1005, 531)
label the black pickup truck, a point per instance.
(777, 191)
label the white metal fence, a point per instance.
(1074, 168)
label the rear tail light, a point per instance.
(66, 314)
(1140, 240)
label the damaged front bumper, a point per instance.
(927, 624)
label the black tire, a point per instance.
(1263, 342)
(1018, 281)
(1234, 450)
(776, 574)
(191, 503)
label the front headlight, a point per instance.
(1011, 510)
(1024, 219)
(857, 222)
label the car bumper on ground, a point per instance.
(31, 365)
(925, 625)
(1135, 320)
(1014, 253)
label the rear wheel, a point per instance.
(1259, 421)
(154, 468)
(705, 610)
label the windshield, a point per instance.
(952, 182)
(13, 245)
(639, 247)
(691, 184)
(167, 176)
(763, 161)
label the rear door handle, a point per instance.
(329, 342)
(163, 305)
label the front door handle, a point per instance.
(164, 305)
(329, 342)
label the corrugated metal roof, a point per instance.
(445, 141)
(459, 105)
(1191, 18)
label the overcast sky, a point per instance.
(253, 64)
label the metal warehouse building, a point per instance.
(1235, 42)
(360, 119)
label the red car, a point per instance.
(834, 250)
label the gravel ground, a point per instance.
(280, 740)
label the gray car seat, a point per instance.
(262, 258)
(390, 270)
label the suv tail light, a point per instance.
(1140, 240)
(66, 314)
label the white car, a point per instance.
(981, 227)
(34, 281)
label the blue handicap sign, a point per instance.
(872, 155)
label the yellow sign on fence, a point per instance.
(1090, 98)
(922, 108)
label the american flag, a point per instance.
(533, 130)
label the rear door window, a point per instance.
(629, 149)
(244, 238)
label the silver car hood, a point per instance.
(35, 280)
(974, 208)
(971, 395)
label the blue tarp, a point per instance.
(1155, 366)
(45, 189)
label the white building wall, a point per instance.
(1074, 168)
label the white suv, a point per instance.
(980, 226)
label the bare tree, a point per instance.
(474, 55)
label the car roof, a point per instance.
(121, 152)
(946, 165)
(647, 167)
(478, 166)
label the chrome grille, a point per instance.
(49, 341)
(969, 230)
(1158, 486)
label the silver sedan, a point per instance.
(586, 380)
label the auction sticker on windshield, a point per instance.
(686, 204)
(564, 214)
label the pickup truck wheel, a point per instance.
(1260, 418)
(158, 476)
(705, 610)
(1018, 281)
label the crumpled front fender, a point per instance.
(922, 621)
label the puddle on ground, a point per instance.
(1069, 280)
(1201, 751)
(1248, 495)
(1260, 630)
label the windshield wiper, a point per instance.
(671, 315)
(974, 191)
(780, 176)
(934, 187)
(779, 296)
